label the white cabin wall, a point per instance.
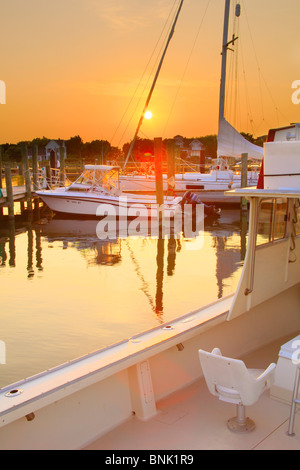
(271, 320)
(272, 274)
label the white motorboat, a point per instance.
(97, 193)
(152, 392)
(220, 178)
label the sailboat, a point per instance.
(230, 144)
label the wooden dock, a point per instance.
(19, 195)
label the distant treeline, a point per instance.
(103, 151)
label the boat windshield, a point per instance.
(99, 177)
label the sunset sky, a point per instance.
(72, 67)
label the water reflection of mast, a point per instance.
(159, 276)
(145, 287)
(157, 304)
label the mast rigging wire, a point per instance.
(141, 79)
(154, 83)
(186, 66)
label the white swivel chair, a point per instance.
(231, 381)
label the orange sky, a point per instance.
(72, 66)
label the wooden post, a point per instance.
(244, 179)
(62, 165)
(48, 175)
(171, 167)
(20, 169)
(9, 192)
(35, 169)
(24, 151)
(202, 161)
(1, 157)
(159, 178)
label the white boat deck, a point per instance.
(193, 419)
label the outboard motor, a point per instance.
(194, 199)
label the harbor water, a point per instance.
(66, 293)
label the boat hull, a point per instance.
(99, 206)
(185, 182)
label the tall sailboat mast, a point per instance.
(153, 84)
(224, 60)
(226, 43)
(230, 142)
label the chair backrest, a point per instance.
(230, 373)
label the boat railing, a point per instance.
(49, 179)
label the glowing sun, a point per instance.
(148, 115)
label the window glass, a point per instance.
(264, 221)
(280, 219)
(271, 220)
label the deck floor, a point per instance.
(193, 419)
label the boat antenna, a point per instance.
(153, 85)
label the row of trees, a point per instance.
(103, 151)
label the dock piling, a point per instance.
(62, 165)
(159, 177)
(171, 167)
(24, 151)
(35, 169)
(1, 153)
(1, 158)
(9, 191)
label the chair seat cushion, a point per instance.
(228, 394)
(232, 396)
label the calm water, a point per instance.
(65, 293)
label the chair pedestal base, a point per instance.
(240, 424)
